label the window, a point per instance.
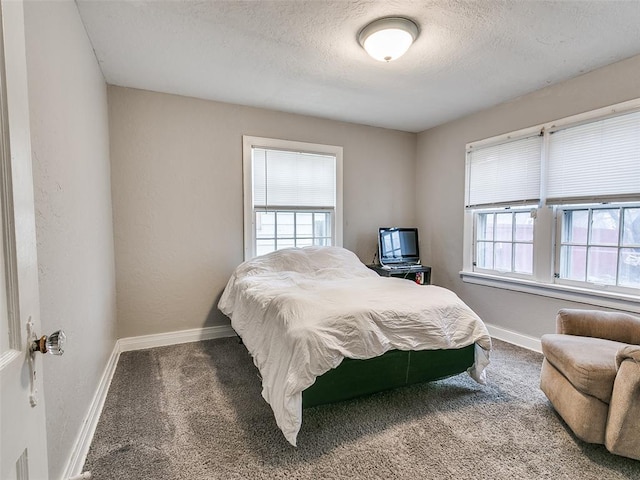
(556, 208)
(504, 174)
(504, 241)
(600, 245)
(293, 195)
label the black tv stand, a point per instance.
(409, 273)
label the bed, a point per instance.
(322, 327)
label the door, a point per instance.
(23, 449)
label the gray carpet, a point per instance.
(194, 411)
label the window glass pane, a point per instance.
(573, 261)
(604, 227)
(322, 225)
(485, 255)
(523, 258)
(304, 224)
(631, 230)
(602, 264)
(265, 225)
(575, 226)
(484, 227)
(524, 227)
(304, 242)
(265, 246)
(504, 227)
(285, 224)
(629, 267)
(503, 257)
(286, 243)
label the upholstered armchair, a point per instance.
(591, 376)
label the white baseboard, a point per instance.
(525, 341)
(85, 436)
(83, 440)
(173, 338)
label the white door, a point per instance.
(23, 448)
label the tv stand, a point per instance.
(409, 273)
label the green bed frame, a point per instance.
(355, 378)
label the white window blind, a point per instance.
(286, 179)
(504, 174)
(595, 161)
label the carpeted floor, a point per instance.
(194, 411)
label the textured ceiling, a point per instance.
(302, 56)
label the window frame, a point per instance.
(250, 142)
(548, 230)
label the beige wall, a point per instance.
(440, 174)
(177, 198)
(70, 144)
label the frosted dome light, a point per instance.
(389, 38)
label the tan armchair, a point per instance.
(591, 376)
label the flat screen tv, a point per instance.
(398, 246)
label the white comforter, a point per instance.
(300, 312)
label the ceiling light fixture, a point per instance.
(388, 38)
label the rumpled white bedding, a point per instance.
(301, 311)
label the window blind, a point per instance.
(504, 174)
(596, 161)
(293, 179)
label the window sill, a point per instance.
(619, 301)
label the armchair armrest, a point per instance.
(616, 326)
(630, 352)
(622, 435)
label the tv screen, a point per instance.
(398, 245)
